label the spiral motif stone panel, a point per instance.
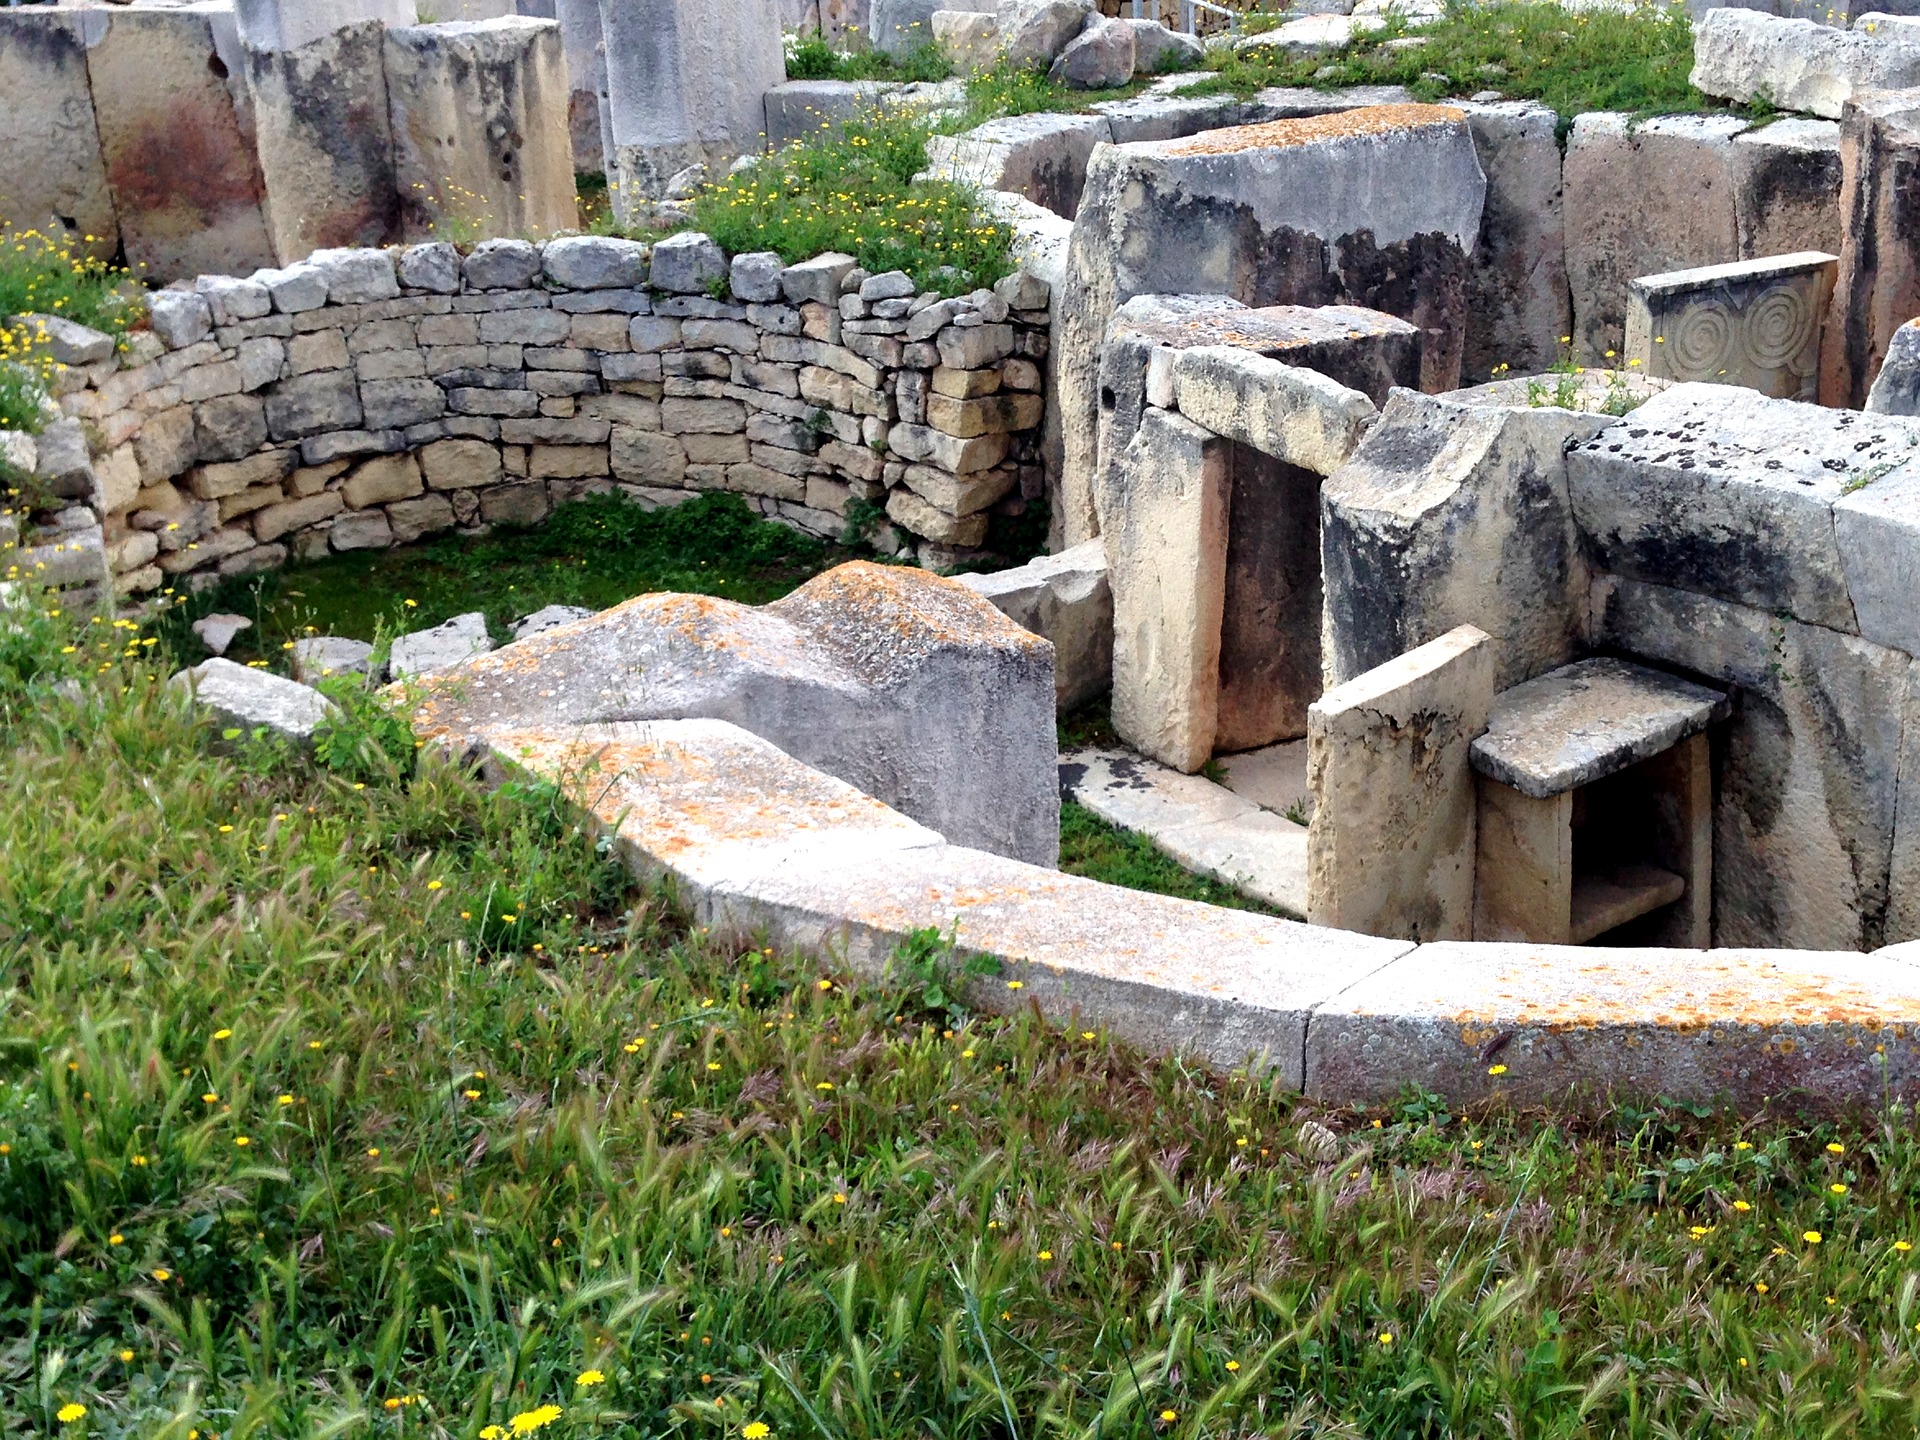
(1755, 324)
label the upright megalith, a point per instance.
(1377, 207)
(479, 114)
(181, 162)
(53, 180)
(588, 120)
(323, 133)
(276, 25)
(686, 85)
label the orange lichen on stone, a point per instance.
(1306, 130)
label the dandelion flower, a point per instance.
(116, 1239)
(71, 1412)
(163, 1276)
(1168, 1417)
(1046, 1254)
(1837, 1188)
(1903, 1246)
(839, 1198)
(1386, 1337)
(1496, 1070)
(1742, 1206)
(754, 1431)
(1834, 1147)
(1812, 1237)
(589, 1378)
(126, 1357)
(528, 1421)
(493, 1432)
(223, 1034)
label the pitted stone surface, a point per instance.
(1585, 721)
(910, 686)
(249, 699)
(428, 652)
(1561, 1025)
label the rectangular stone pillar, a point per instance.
(1878, 289)
(1270, 620)
(686, 85)
(1523, 888)
(589, 122)
(53, 178)
(1166, 534)
(186, 184)
(325, 139)
(1753, 323)
(480, 137)
(1391, 847)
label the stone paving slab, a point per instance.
(1566, 1025)
(1204, 826)
(1273, 777)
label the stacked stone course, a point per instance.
(368, 398)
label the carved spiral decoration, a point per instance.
(1779, 325)
(1703, 340)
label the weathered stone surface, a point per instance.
(67, 342)
(589, 121)
(1583, 722)
(428, 652)
(290, 24)
(1805, 803)
(1269, 214)
(1041, 156)
(1518, 304)
(970, 39)
(1896, 389)
(186, 185)
(48, 132)
(595, 262)
(179, 317)
(312, 404)
(303, 287)
(357, 275)
(61, 462)
(1878, 531)
(1580, 1028)
(1752, 323)
(806, 109)
(1731, 494)
(755, 277)
(480, 129)
(72, 558)
(229, 427)
(1067, 600)
(217, 631)
(550, 617)
(277, 520)
(1786, 188)
(318, 657)
(250, 700)
(324, 139)
(1878, 289)
(1454, 515)
(1391, 847)
(1203, 827)
(1034, 32)
(1164, 522)
(1797, 64)
(388, 477)
(460, 464)
(1619, 171)
(912, 687)
(1100, 57)
(687, 81)
(502, 265)
(921, 517)
(361, 530)
(1294, 414)
(1158, 50)
(902, 26)
(686, 263)
(643, 457)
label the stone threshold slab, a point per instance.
(1205, 827)
(763, 844)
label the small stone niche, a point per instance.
(1596, 809)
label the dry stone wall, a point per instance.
(369, 398)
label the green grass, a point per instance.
(854, 191)
(42, 276)
(594, 552)
(810, 57)
(1091, 847)
(1636, 60)
(1007, 90)
(509, 1121)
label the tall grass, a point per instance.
(43, 275)
(519, 1143)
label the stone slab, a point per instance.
(1042, 157)
(1797, 65)
(1588, 720)
(1575, 1028)
(426, 653)
(1296, 415)
(1753, 323)
(247, 699)
(1877, 528)
(54, 172)
(1274, 777)
(1068, 600)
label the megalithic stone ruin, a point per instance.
(686, 85)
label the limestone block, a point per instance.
(1066, 599)
(1269, 214)
(1753, 323)
(265, 25)
(902, 26)
(1042, 157)
(1896, 389)
(180, 317)
(229, 427)
(460, 464)
(312, 404)
(800, 110)
(755, 278)
(396, 404)
(550, 617)
(283, 519)
(1100, 57)
(1618, 172)
(1797, 64)
(686, 263)
(1808, 769)
(1878, 289)
(249, 700)
(1391, 847)
(361, 530)
(412, 519)
(911, 687)
(1158, 50)
(428, 652)
(433, 267)
(48, 132)
(641, 457)
(1731, 494)
(295, 289)
(324, 138)
(480, 128)
(686, 85)
(76, 557)
(1296, 415)
(588, 121)
(502, 265)
(67, 342)
(971, 40)
(357, 275)
(319, 657)
(919, 516)
(1452, 515)
(1034, 32)
(217, 632)
(595, 262)
(1518, 301)
(1786, 188)
(1166, 545)
(515, 504)
(62, 464)
(388, 477)
(186, 184)
(1878, 531)
(1574, 1028)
